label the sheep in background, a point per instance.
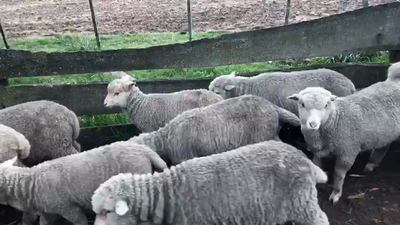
(13, 144)
(50, 128)
(152, 111)
(63, 186)
(216, 128)
(248, 185)
(276, 86)
(345, 126)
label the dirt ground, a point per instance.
(54, 17)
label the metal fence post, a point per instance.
(94, 24)
(189, 9)
(3, 35)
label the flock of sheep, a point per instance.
(204, 157)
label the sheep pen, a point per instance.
(370, 199)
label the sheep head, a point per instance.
(13, 145)
(118, 92)
(314, 106)
(224, 85)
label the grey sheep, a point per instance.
(345, 126)
(13, 148)
(13, 144)
(50, 128)
(276, 86)
(216, 128)
(64, 186)
(152, 111)
(264, 183)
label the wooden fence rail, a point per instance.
(329, 36)
(87, 99)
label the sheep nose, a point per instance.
(313, 124)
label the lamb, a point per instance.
(345, 126)
(264, 183)
(50, 128)
(12, 144)
(216, 128)
(152, 111)
(63, 186)
(276, 86)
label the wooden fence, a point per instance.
(369, 29)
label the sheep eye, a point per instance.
(116, 94)
(326, 105)
(302, 104)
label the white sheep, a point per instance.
(63, 186)
(13, 144)
(276, 86)
(152, 111)
(264, 183)
(216, 128)
(50, 128)
(345, 126)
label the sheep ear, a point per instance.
(121, 207)
(229, 87)
(233, 74)
(10, 162)
(333, 97)
(294, 97)
(128, 85)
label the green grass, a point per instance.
(73, 43)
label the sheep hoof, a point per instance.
(369, 167)
(334, 198)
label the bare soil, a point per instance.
(30, 18)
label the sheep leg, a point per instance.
(375, 158)
(75, 215)
(342, 165)
(28, 218)
(313, 215)
(47, 219)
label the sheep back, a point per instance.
(71, 180)
(149, 112)
(51, 129)
(216, 128)
(276, 86)
(247, 184)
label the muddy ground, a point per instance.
(54, 17)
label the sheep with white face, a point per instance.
(343, 127)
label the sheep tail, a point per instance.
(156, 161)
(394, 72)
(287, 116)
(320, 176)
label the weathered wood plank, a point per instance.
(87, 99)
(328, 36)
(90, 138)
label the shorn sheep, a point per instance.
(345, 126)
(276, 86)
(217, 128)
(244, 186)
(149, 112)
(64, 186)
(50, 128)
